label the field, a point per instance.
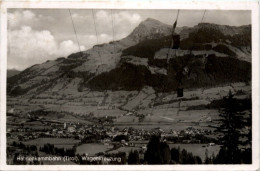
(196, 149)
(142, 109)
(137, 100)
(164, 126)
(91, 149)
(57, 142)
(169, 112)
(127, 150)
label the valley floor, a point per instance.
(90, 122)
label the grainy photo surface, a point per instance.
(128, 86)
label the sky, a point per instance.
(38, 35)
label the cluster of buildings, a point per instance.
(81, 131)
(103, 129)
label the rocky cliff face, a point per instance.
(209, 54)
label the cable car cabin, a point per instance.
(176, 41)
(179, 92)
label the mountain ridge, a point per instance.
(143, 51)
(12, 72)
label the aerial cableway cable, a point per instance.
(203, 16)
(173, 32)
(97, 39)
(175, 40)
(179, 105)
(201, 22)
(75, 32)
(168, 53)
(94, 20)
(113, 37)
(113, 30)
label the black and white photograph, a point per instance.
(111, 86)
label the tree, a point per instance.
(157, 152)
(175, 154)
(232, 120)
(208, 160)
(184, 157)
(133, 157)
(198, 160)
(153, 152)
(165, 152)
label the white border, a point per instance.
(249, 5)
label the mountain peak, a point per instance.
(150, 29)
(151, 21)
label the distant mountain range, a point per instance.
(209, 55)
(12, 72)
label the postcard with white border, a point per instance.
(120, 85)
